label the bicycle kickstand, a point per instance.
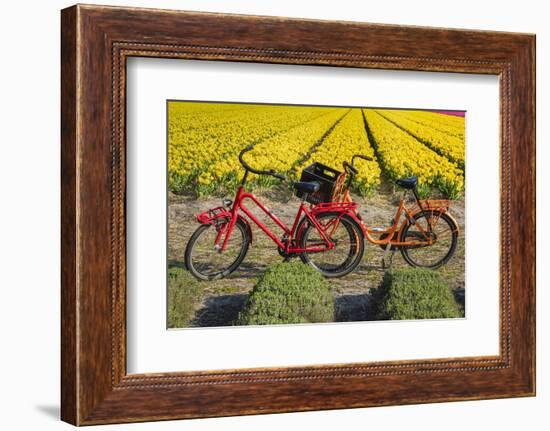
(385, 257)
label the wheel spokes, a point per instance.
(343, 237)
(441, 234)
(206, 255)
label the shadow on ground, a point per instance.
(223, 310)
(460, 297)
(353, 308)
(219, 310)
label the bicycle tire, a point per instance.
(405, 250)
(355, 254)
(241, 227)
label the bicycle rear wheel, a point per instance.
(444, 233)
(203, 259)
(347, 236)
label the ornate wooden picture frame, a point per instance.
(96, 42)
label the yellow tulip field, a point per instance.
(204, 140)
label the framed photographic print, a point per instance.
(266, 215)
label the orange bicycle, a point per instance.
(426, 234)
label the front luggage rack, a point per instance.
(214, 215)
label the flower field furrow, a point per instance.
(221, 129)
(194, 150)
(204, 140)
(283, 151)
(450, 124)
(442, 133)
(452, 120)
(188, 110)
(279, 152)
(348, 138)
(187, 116)
(442, 143)
(402, 155)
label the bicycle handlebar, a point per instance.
(257, 171)
(350, 168)
(360, 156)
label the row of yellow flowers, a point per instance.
(347, 139)
(402, 155)
(279, 152)
(193, 148)
(204, 140)
(450, 146)
(186, 116)
(449, 124)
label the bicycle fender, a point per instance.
(407, 222)
(247, 224)
(453, 220)
(355, 218)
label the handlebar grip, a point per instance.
(362, 156)
(351, 168)
(277, 175)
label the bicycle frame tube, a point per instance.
(291, 232)
(390, 231)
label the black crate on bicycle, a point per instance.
(325, 176)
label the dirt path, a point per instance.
(225, 298)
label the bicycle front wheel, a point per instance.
(444, 234)
(348, 239)
(206, 262)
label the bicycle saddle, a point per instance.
(306, 186)
(407, 183)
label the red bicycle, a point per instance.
(328, 236)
